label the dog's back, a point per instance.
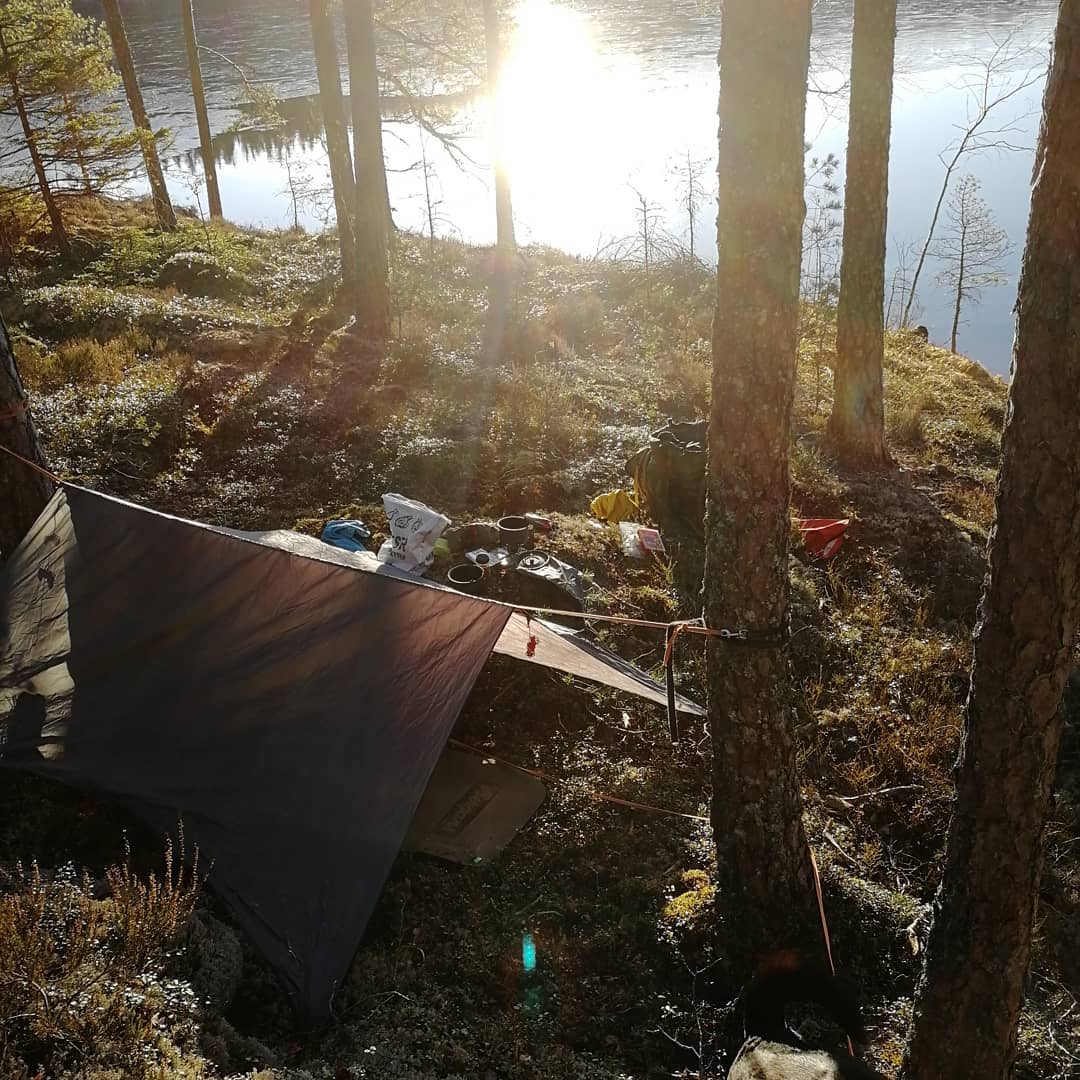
(771, 1050)
(760, 1059)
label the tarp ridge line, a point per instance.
(769, 636)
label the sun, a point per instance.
(567, 108)
(552, 91)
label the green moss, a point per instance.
(689, 908)
(255, 411)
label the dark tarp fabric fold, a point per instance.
(287, 699)
(291, 711)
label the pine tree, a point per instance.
(198, 93)
(763, 867)
(57, 69)
(337, 139)
(371, 220)
(968, 1005)
(973, 249)
(504, 211)
(858, 418)
(163, 208)
(23, 491)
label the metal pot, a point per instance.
(515, 533)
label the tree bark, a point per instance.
(969, 1001)
(56, 220)
(857, 424)
(206, 139)
(337, 139)
(764, 874)
(959, 292)
(504, 211)
(373, 219)
(365, 101)
(163, 208)
(23, 492)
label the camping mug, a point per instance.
(466, 577)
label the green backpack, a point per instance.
(669, 476)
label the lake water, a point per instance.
(601, 101)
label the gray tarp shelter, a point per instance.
(288, 699)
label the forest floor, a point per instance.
(209, 374)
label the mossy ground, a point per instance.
(256, 410)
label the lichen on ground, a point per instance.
(257, 410)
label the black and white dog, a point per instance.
(772, 1051)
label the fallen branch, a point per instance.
(843, 854)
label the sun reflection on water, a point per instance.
(552, 87)
(564, 112)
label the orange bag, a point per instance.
(823, 536)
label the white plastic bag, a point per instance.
(637, 541)
(414, 528)
(631, 543)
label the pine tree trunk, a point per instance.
(764, 874)
(959, 289)
(337, 139)
(56, 220)
(372, 203)
(206, 140)
(504, 211)
(71, 112)
(23, 492)
(503, 284)
(968, 1005)
(857, 424)
(366, 103)
(163, 208)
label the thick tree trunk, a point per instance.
(56, 220)
(765, 882)
(857, 424)
(206, 140)
(372, 203)
(163, 208)
(968, 1004)
(366, 104)
(337, 139)
(504, 211)
(23, 492)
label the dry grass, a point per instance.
(268, 419)
(942, 406)
(83, 974)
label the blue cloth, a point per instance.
(350, 535)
